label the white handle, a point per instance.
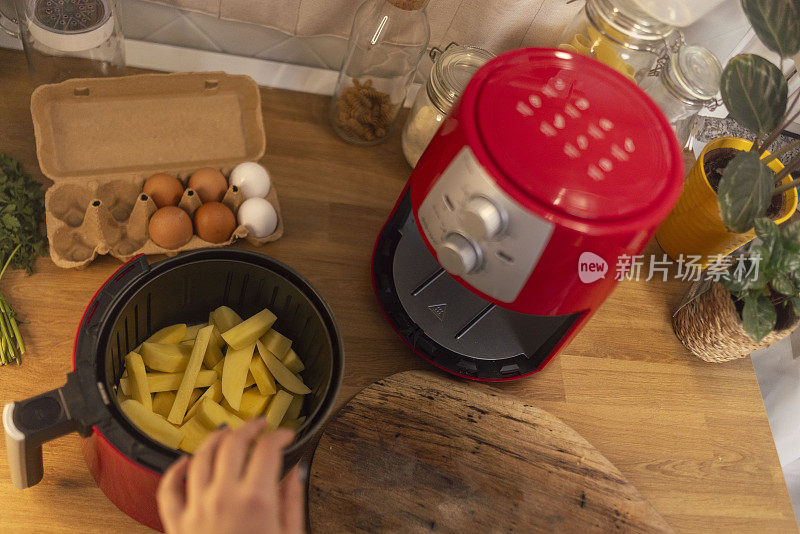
(25, 464)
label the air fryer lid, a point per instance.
(137, 301)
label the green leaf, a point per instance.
(770, 236)
(776, 23)
(759, 317)
(795, 305)
(790, 236)
(783, 285)
(755, 92)
(744, 192)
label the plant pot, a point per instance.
(695, 228)
(711, 328)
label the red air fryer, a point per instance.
(507, 236)
(136, 301)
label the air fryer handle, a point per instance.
(30, 423)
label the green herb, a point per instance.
(21, 216)
(11, 346)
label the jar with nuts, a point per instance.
(387, 40)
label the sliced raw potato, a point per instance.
(187, 343)
(169, 334)
(292, 361)
(262, 377)
(172, 381)
(162, 402)
(277, 409)
(216, 337)
(253, 404)
(214, 392)
(124, 385)
(225, 318)
(121, 396)
(249, 381)
(279, 371)
(196, 394)
(193, 434)
(213, 355)
(151, 423)
(213, 415)
(184, 393)
(164, 357)
(249, 330)
(218, 368)
(296, 406)
(137, 376)
(191, 332)
(234, 374)
(293, 424)
(276, 343)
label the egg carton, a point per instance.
(99, 139)
(111, 217)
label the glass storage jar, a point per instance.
(683, 83)
(620, 34)
(386, 43)
(451, 71)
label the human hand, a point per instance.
(227, 491)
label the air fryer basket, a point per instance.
(185, 289)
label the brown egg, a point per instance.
(170, 227)
(209, 183)
(214, 222)
(164, 189)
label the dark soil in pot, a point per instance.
(714, 163)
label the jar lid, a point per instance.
(451, 72)
(627, 23)
(575, 138)
(696, 71)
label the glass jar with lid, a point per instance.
(386, 43)
(620, 34)
(451, 71)
(683, 83)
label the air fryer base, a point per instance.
(447, 324)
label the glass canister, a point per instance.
(620, 34)
(386, 43)
(683, 82)
(451, 71)
(66, 39)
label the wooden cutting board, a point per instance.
(419, 452)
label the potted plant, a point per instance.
(753, 304)
(735, 180)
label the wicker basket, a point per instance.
(710, 327)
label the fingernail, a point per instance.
(303, 468)
(223, 426)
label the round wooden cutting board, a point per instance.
(420, 452)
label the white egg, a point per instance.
(251, 178)
(258, 216)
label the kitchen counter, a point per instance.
(692, 437)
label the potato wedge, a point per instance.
(169, 334)
(293, 424)
(213, 392)
(253, 404)
(281, 374)
(137, 377)
(225, 318)
(212, 415)
(184, 393)
(172, 381)
(191, 332)
(151, 423)
(295, 407)
(234, 374)
(218, 368)
(162, 402)
(260, 373)
(276, 343)
(164, 357)
(193, 434)
(249, 330)
(213, 355)
(249, 381)
(216, 337)
(292, 362)
(277, 409)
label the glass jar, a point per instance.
(66, 39)
(620, 34)
(683, 83)
(451, 71)
(386, 43)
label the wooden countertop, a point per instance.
(692, 437)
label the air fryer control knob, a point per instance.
(458, 255)
(482, 218)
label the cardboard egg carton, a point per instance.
(100, 139)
